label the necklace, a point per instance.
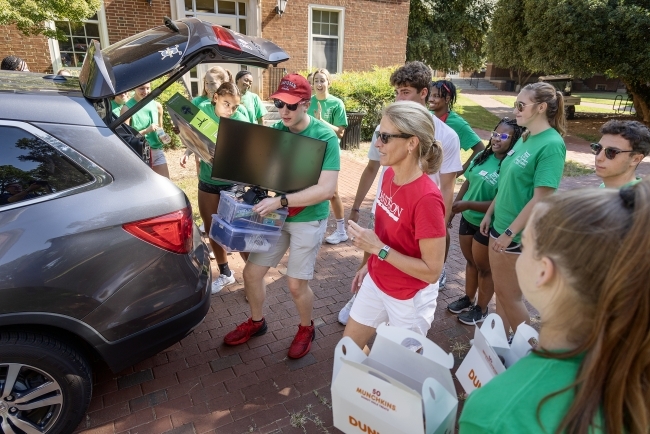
(390, 187)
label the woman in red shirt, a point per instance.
(399, 283)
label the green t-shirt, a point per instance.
(116, 108)
(205, 170)
(253, 103)
(482, 185)
(629, 184)
(509, 402)
(143, 118)
(317, 130)
(332, 110)
(468, 138)
(537, 162)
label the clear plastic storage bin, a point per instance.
(236, 239)
(240, 215)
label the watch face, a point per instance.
(382, 254)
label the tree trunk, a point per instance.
(641, 98)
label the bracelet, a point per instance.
(356, 209)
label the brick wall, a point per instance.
(125, 18)
(374, 33)
(33, 49)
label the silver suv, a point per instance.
(99, 256)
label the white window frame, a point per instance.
(341, 11)
(55, 53)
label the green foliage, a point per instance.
(31, 16)
(367, 91)
(177, 87)
(448, 34)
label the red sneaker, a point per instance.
(245, 331)
(302, 342)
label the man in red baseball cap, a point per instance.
(303, 231)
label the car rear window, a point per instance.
(31, 168)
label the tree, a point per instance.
(448, 34)
(587, 37)
(31, 16)
(505, 41)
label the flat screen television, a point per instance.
(271, 159)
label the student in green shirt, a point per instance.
(442, 97)
(118, 101)
(622, 147)
(331, 111)
(584, 267)
(532, 171)
(251, 101)
(303, 230)
(473, 199)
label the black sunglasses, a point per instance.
(441, 84)
(280, 104)
(610, 153)
(385, 137)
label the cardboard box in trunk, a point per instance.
(394, 389)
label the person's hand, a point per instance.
(502, 243)
(267, 206)
(354, 215)
(365, 239)
(358, 279)
(317, 112)
(183, 161)
(152, 128)
(459, 206)
(485, 225)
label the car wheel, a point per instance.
(45, 384)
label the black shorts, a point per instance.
(213, 189)
(512, 248)
(466, 228)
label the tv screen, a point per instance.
(260, 156)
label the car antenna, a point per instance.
(170, 24)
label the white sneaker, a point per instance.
(336, 237)
(344, 314)
(212, 255)
(443, 278)
(222, 281)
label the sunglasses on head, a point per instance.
(520, 106)
(610, 153)
(280, 104)
(385, 137)
(441, 84)
(502, 136)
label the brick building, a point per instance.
(336, 34)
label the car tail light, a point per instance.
(171, 231)
(226, 40)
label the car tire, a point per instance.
(44, 382)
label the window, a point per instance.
(30, 168)
(70, 54)
(326, 38)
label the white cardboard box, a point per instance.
(490, 354)
(394, 389)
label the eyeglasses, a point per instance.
(520, 106)
(610, 153)
(385, 137)
(502, 136)
(441, 84)
(280, 104)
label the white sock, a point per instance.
(340, 226)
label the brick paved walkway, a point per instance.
(201, 386)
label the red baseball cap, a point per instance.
(293, 88)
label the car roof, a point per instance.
(38, 83)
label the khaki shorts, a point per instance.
(373, 307)
(303, 240)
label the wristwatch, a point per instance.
(383, 253)
(508, 232)
(283, 201)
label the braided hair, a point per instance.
(13, 63)
(446, 89)
(517, 133)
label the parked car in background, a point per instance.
(99, 256)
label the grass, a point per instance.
(606, 98)
(505, 99)
(475, 115)
(573, 168)
(591, 138)
(188, 185)
(510, 100)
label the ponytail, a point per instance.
(546, 93)
(431, 158)
(598, 239)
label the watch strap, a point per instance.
(508, 232)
